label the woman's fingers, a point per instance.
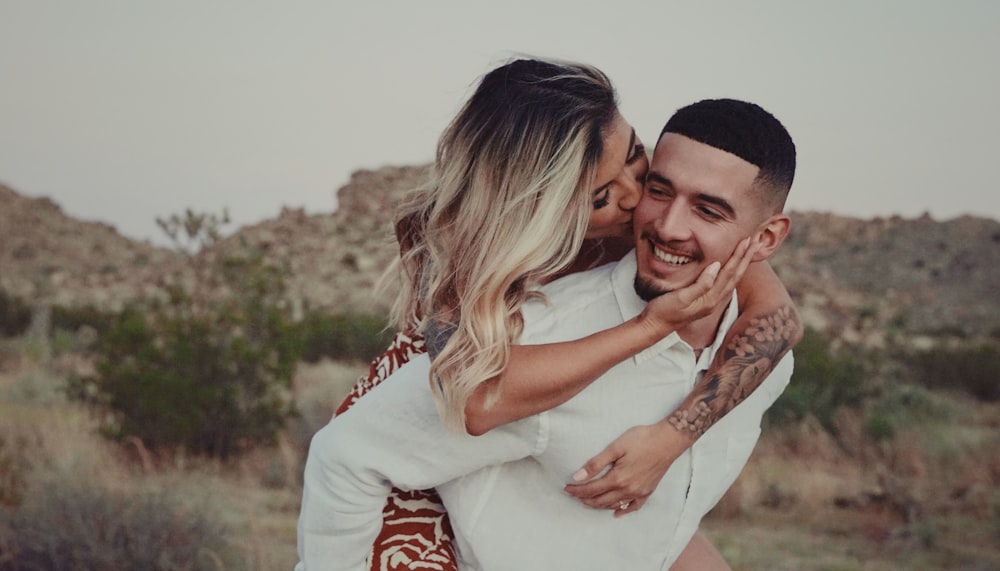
(632, 506)
(693, 294)
(727, 278)
(711, 287)
(626, 472)
(735, 267)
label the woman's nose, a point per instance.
(631, 191)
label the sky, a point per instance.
(122, 111)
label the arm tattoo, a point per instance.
(748, 358)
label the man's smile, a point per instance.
(673, 259)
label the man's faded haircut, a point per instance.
(745, 130)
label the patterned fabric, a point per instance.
(416, 533)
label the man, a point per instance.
(719, 176)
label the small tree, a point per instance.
(209, 374)
(194, 230)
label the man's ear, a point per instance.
(770, 234)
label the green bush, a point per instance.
(903, 406)
(15, 315)
(973, 370)
(71, 319)
(84, 527)
(341, 337)
(210, 377)
(822, 383)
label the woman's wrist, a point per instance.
(654, 327)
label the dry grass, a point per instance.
(926, 499)
(49, 447)
(319, 389)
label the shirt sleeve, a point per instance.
(393, 437)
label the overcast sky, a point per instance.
(125, 110)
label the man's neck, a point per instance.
(703, 332)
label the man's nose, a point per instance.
(673, 223)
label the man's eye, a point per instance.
(709, 213)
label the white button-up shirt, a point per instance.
(503, 490)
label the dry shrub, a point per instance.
(75, 525)
(14, 468)
(808, 479)
(274, 467)
(80, 507)
(907, 457)
(63, 442)
(802, 467)
(804, 441)
(942, 457)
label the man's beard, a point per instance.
(646, 289)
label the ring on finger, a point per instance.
(624, 504)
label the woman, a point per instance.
(536, 177)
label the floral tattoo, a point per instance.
(749, 358)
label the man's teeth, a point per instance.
(670, 258)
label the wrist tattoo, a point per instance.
(748, 358)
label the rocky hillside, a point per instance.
(860, 280)
(334, 261)
(47, 256)
(865, 279)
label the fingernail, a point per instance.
(580, 475)
(714, 267)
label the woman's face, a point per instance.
(618, 183)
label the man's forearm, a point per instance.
(746, 359)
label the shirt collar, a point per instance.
(728, 318)
(631, 305)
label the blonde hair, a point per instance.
(506, 209)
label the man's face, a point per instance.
(696, 206)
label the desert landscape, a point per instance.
(883, 454)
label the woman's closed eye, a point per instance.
(638, 151)
(601, 198)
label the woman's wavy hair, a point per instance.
(506, 209)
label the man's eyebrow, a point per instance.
(655, 176)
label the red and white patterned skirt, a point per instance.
(416, 533)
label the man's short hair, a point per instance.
(745, 130)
